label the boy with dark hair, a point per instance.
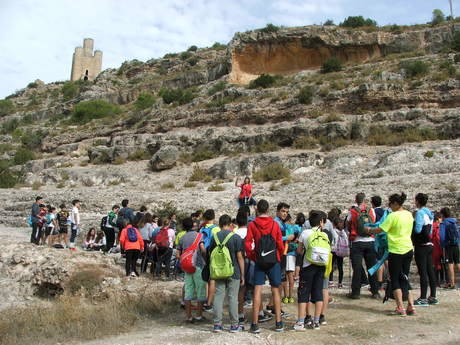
(194, 286)
(312, 273)
(35, 235)
(125, 213)
(264, 245)
(109, 228)
(63, 221)
(228, 285)
(137, 218)
(74, 222)
(450, 239)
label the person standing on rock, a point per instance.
(245, 197)
(74, 222)
(35, 236)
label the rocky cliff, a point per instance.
(378, 125)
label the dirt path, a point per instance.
(365, 321)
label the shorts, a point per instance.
(290, 263)
(325, 284)
(452, 254)
(194, 287)
(48, 231)
(249, 272)
(311, 284)
(63, 229)
(273, 274)
(299, 260)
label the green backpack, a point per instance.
(318, 248)
(221, 266)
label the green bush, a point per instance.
(438, 17)
(33, 140)
(266, 146)
(219, 86)
(167, 185)
(429, 154)
(144, 100)
(449, 68)
(170, 55)
(216, 188)
(270, 28)
(415, 68)
(305, 95)
(329, 22)
(333, 64)
(274, 171)
(32, 85)
(22, 156)
(332, 117)
(192, 48)
(6, 107)
(177, 95)
(456, 41)
(8, 178)
(10, 126)
(457, 58)
(219, 46)
(199, 174)
(96, 109)
(379, 135)
(264, 81)
(193, 61)
(70, 90)
(357, 21)
(329, 144)
(139, 155)
(185, 55)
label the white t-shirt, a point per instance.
(52, 218)
(75, 216)
(172, 237)
(243, 231)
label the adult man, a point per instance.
(74, 222)
(362, 247)
(265, 227)
(125, 213)
(35, 236)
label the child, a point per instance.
(194, 286)
(90, 239)
(164, 241)
(300, 221)
(291, 251)
(63, 219)
(99, 242)
(339, 249)
(75, 222)
(133, 244)
(42, 223)
(229, 285)
(313, 271)
(437, 252)
(450, 239)
(53, 227)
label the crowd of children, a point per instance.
(233, 257)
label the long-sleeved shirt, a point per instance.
(423, 217)
(442, 231)
(35, 212)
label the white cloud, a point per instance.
(37, 38)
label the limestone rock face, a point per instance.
(165, 158)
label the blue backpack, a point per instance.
(132, 234)
(207, 235)
(452, 234)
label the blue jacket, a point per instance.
(420, 218)
(442, 230)
(292, 229)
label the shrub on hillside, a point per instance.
(199, 174)
(379, 135)
(6, 107)
(305, 143)
(192, 61)
(329, 22)
(8, 177)
(456, 41)
(185, 55)
(144, 100)
(270, 28)
(96, 109)
(176, 96)
(438, 17)
(264, 81)
(219, 86)
(305, 95)
(70, 90)
(333, 64)
(415, 68)
(216, 188)
(33, 140)
(192, 48)
(357, 21)
(10, 126)
(274, 171)
(219, 46)
(22, 156)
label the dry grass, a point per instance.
(199, 174)
(216, 188)
(271, 172)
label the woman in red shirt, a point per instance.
(245, 197)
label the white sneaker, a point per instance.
(133, 275)
(299, 327)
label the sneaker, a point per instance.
(330, 285)
(266, 317)
(217, 328)
(376, 296)
(340, 286)
(399, 312)
(254, 328)
(411, 310)
(270, 309)
(322, 320)
(291, 300)
(284, 313)
(133, 275)
(208, 308)
(247, 304)
(241, 320)
(351, 296)
(308, 321)
(279, 326)
(200, 319)
(421, 302)
(316, 326)
(433, 301)
(236, 328)
(285, 300)
(299, 326)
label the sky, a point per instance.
(38, 37)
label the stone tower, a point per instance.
(85, 64)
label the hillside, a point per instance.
(386, 121)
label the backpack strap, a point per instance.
(227, 238)
(194, 245)
(224, 242)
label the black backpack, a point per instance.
(266, 251)
(120, 218)
(103, 222)
(423, 237)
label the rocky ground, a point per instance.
(24, 268)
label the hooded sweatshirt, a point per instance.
(447, 222)
(256, 229)
(423, 217)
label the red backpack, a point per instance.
(188, 257)
(162, 238)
